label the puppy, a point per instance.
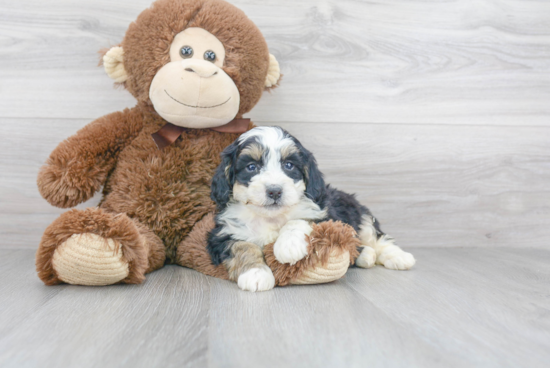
(268, 189)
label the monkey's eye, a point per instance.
(186, 52)
(210, 56)
(252, 167)
(289, 165)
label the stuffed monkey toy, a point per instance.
(195, 67)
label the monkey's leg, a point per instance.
(192, 252)
(332, 247)
(95, 247)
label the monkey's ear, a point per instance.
(114, 65)
(273, 73)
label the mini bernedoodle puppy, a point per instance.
(268, 189)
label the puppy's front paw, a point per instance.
(257, 279)
(399, 260)
(367, 258)
(291, 246)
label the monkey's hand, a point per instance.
(79, 166)
(66, 183)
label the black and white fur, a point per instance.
(268, 189)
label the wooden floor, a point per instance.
(460, 307)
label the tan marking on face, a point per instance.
(240, 193)
(255, 151)
(244, 256)
(288, 150)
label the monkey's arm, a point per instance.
(79, 166)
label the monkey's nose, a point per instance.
(274, 192)
(192, 70)
(203, 69)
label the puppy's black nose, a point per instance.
(274, 192)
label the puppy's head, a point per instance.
(268, 170)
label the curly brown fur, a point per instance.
(79, 165)
(325, 237)
(156, 254)
(96, 221)
(192, 251)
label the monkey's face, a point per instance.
(199, 63)
(192, 90)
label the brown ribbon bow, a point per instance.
(168, 134)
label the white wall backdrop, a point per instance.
(436, 113)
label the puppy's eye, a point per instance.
(252, 167)
(210, 56)
(186, 52)
(289, 165)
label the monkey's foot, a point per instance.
(89, 259)
(335, 267)
(92, 247)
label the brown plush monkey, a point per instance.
(195, 67)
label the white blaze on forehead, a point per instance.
(271, 137)
(274, 140)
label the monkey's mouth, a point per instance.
(200, 107)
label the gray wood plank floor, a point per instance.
(460, 307)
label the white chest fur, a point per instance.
(263, 230)
(243, 223)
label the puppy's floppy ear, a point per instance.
(224, 177)
(315, 184)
